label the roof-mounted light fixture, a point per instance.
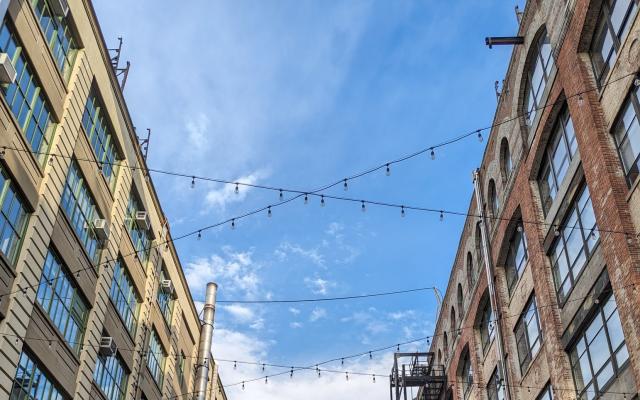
(503, 40)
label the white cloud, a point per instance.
(319, 285)
(234, 271)
(312, 254)
(197, 131)
(218, 198)
(240, 313)
(295, 325)
(317, 313)
(294, 311)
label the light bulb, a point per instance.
(51, 160)
(519, 228)
(235, 365)
(636, 82)
(370, 356)
(306, 199)
(193, 182)
(580, 101)
(322, 201)
(556, 231)
(266, 380)
(199, 235)
(402, 213)
(346, 375)
(281, 195)
(433, 154)
(233, 226)
(291, 373)
(237, 190)
(363, 208)
(479, 135)
(388, 170)
(345, 186)
(242, 385)
(441, 216)
(268, 215)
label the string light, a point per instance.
(345, 185)
(370, 356)
(636, 82)
(556, 231)
(306, 198)
(281, 195)
(242, 385)
(388, 170)
(519, 228)
(291, 373)
(233, 223)
(374, 378)
(580, 101)
(322, 201)
(363, 208)
(402, 213)
(441, 215)
(479, 135)
(346, 375)
(269, 211)
(199, 235)
(193, 182)
(237, 189)
(235, 365)
(433, 154)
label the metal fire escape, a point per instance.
(416, 370)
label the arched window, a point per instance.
(494, 202)
(454, 327)
(445, 341)
(439, 357)
(506, 164)
(479, 242)
(460, 299)
(471, 275)
(516, 256)
(537, 76)
(466, 374)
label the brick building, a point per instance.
(558, 188)
(93, 300)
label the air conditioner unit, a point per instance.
(142, 220)
(59, 7)
(7, 70)
(101, 228)
(108, 346)
(167, 286)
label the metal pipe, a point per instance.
(204, 348)
(503, 40)
(488, 266)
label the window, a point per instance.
(94, 121)
(627, 135)
(58, 34)
(139, 236)
(466, 375)
(124, 296)
(471, 273)
(445, 341)
(600, 352)
(613, 25)
(111, 377)
(494, 202)
(479, 244)
(516, 257)
(13, 217)
(165, 300)
(452, 320)
(156, 359)
(61, 300)
(560, 151)
(180, 362)
(528, 334)
(495, 388)
(546, 393)
(538, 76)
(487, 326)
(80, 207)
(460, 299)
(577, 238)
(25, 97)
(506, 163)
(31, 383)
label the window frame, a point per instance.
(165, 301)
(62, 310)
(547, 70)
(599, 312)
(548, 169)
(47, 388)
(546, 391)
(632, 101)
(487, 326)
(512, 251)
(521, 332)
(141, 240)
(128, 315)
(495, 387)
(113, 378)
(18, 227)
(466, 375)
(586, 252)
(155, 363)
(604, 22)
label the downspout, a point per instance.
(488, 266)
(204, 348)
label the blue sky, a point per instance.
(298, 94)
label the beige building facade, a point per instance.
(93, 300)
(547, 271)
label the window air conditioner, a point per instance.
(167, 287)
(7, 70)
(142, 220)
(59, 7)
(108, 347)
(101, 229)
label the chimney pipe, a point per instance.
(204, 348)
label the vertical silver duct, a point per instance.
(204, 348)
(488, 266)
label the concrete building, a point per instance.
(93, 300)
(543, 299)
